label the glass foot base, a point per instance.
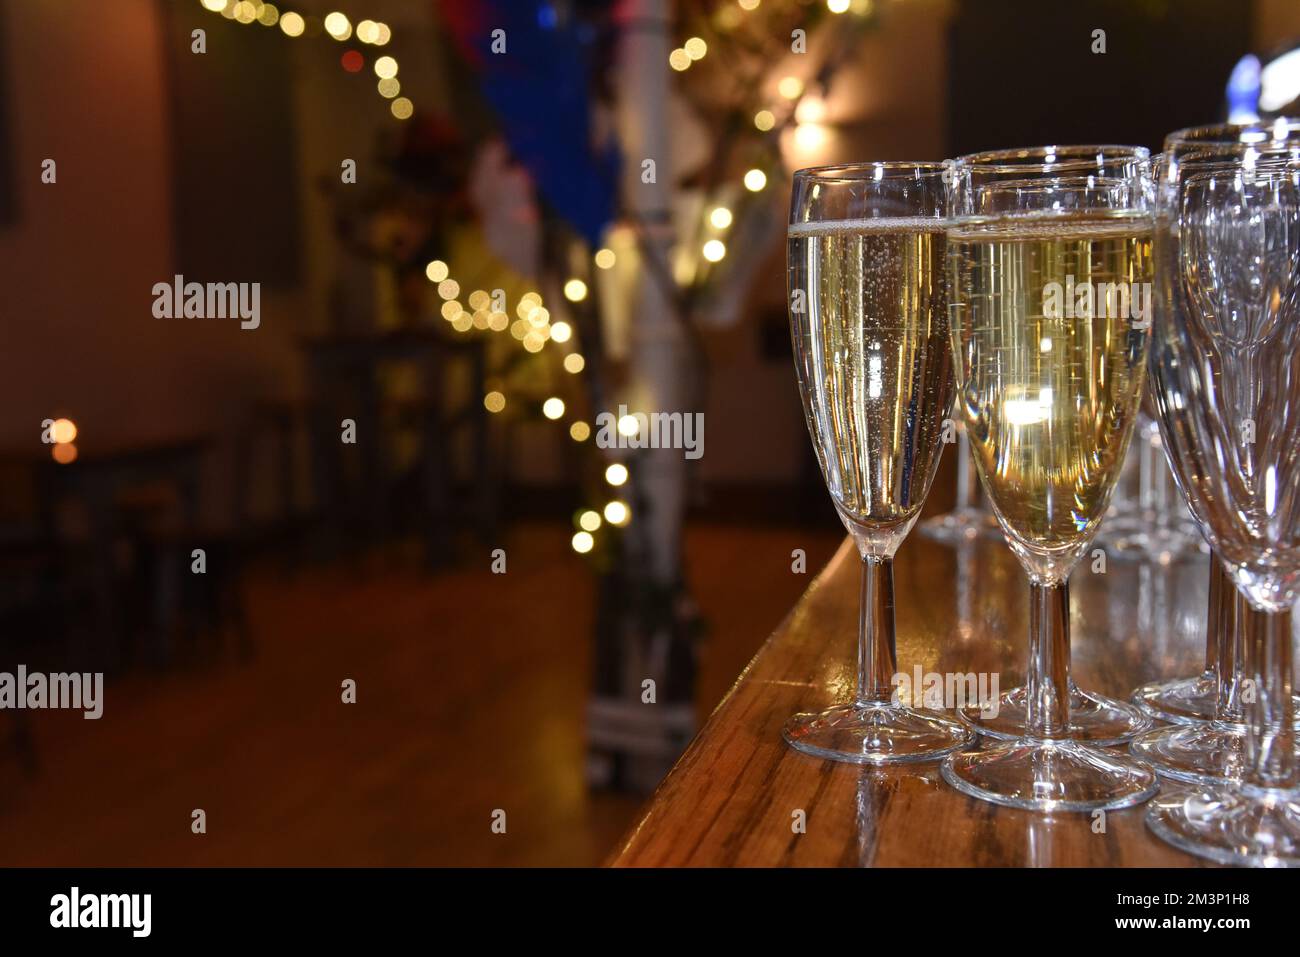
(1231, 825)
(1146, 539)
(875, 734)
(1183, 701)
(961, 525)
(1094, 718)
(1206, 754)
(1187, 700)
(1062, 775)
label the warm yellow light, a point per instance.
(519, 328)
(63, 430)
(617, 513)
(575, 290)
(811, 109)
(463, 322)
(497, 321)
(494, 401)
(605, 258)
(538, 316)
(809, 136)
(628, 426)
(790, 87)
(479, 299)
(436, 270)
(451, 309)
(337, 26)
(64, 454)
(589, 520)
(385, 68)
(720, 217)
(583, 542)
(574, 362)
(616, 474)
(755, 180)
(449, 289)
(695, 48)
(480, 319)
(367, 30)
(382, 35)
(292, 24)
(245, 11)
(216, 6)
(402, 108)
(553, 407)
(749, 4)
(714, 250)
(389, 87)
(561, 332)
(764, 120)
(580, 431)
(679, 59)
(837, 6)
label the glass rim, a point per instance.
(863, 172)
(1198, 173)
(1034, 158)
(1205, 134)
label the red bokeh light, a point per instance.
(353, 61)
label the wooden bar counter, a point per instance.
(733, 798)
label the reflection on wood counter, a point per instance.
(738, 795)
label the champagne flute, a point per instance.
(1050, 260)
(1225, 370)
(1210, 696)
(1040, 190)
(869, 324)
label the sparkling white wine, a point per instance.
(1050, 324)
(869, 322)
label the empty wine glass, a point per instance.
(1226, 371)
(1200, 697)
(869, 324)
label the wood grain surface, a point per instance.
(731, 799)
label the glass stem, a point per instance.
(877, 658)
(1217, 615)
(964, 497)
(1048, 681)
(1237, 620)
(1270, 731)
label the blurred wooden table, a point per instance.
(732, 798)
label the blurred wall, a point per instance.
(85, 88)
(1276, 22)
(88, 87)
(95, 87)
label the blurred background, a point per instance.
(426, 591)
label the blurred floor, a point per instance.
(471, 689)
